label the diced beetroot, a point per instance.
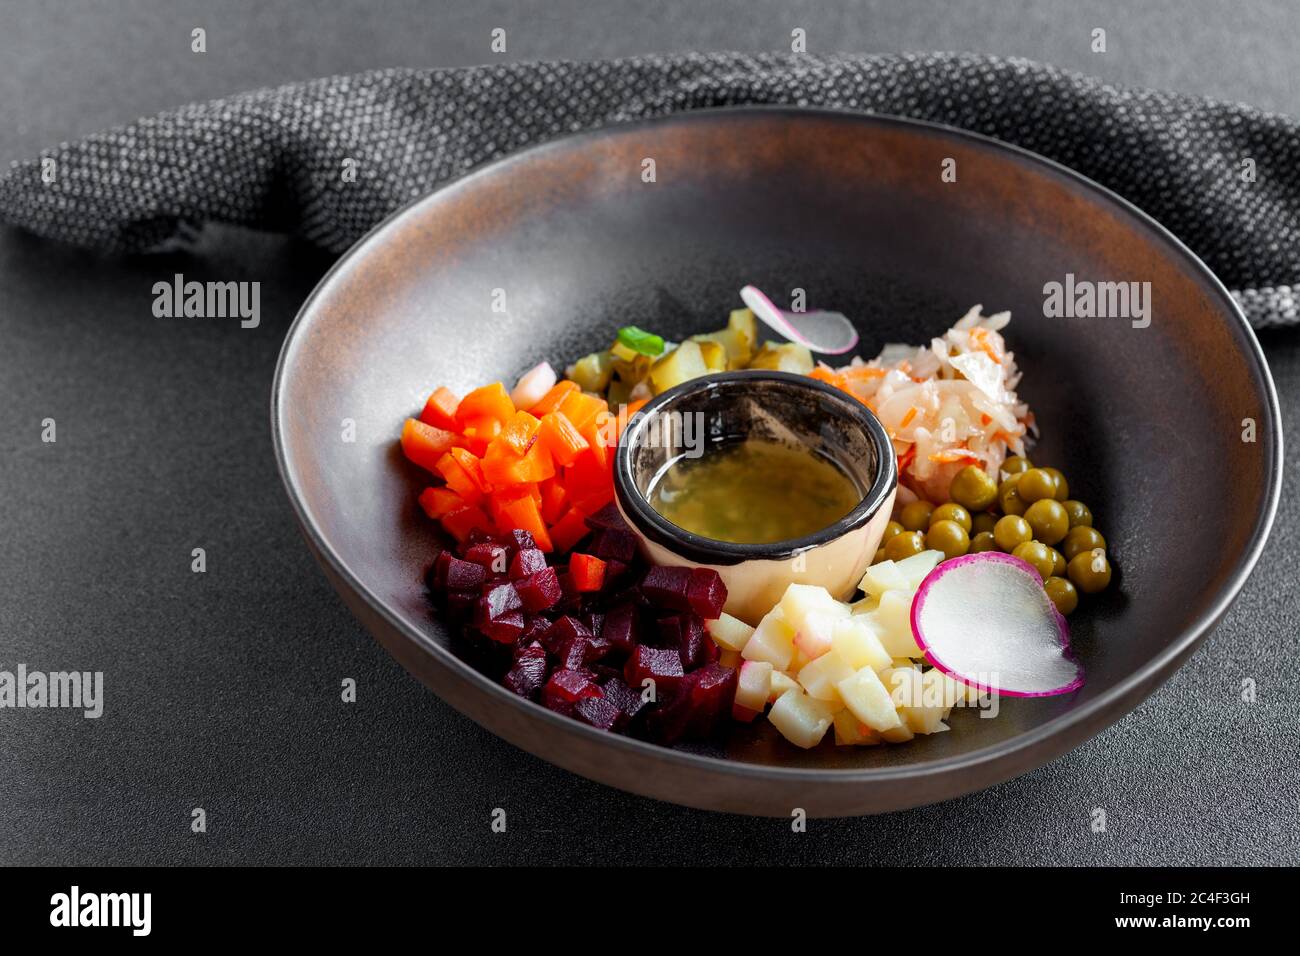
(570, 596)
(594, 620)
(712, 692)
(436, 578)
(464, 575)
(687, 631)
(615, 570)
(706, 593)
(539, 590)
(574, 653)
(598, 648)
(462, 602)
(491, 556)
(667, 587)
(620, 627)
(528, 673)
(598, 712)
(663, 665)
(534, 628)
(623, 697)
(607, 517)
(497, 601)
(604, 673)
(614, 545)
(559, 635)
(506, 628)
(669, 719)
(565, 687)
(521, 539)
(525, 562)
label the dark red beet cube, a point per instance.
(464, 575)
(521, 539)
(595, 621)
(667, 587)
(498, 600)
(598, 712)
(623, 697)
(462, 602)
(692, 641)
(614, 545)
(663, 665)
(712, 692)
(607, 517)
(560, 634)
(620, 627)
(706, 593)
(565, 687)
(614, 570)
(539, 590)
(505, 628)
(493, 557)
(534, 628)
(528, 673)
(436, 578)
(574, 653)
(525, 562)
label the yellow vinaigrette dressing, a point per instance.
(754, 492)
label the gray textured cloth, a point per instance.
(272, 159)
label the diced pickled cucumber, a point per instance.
(743, 321)
(593, 372)
(680, 365)
(783, 357)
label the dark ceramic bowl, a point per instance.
(730, 407)
(1146, 422)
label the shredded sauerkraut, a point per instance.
(946, 405)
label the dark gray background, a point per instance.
(223, 688)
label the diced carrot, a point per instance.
(555, 499)
(563, 441)
(625, 413)
(473, 467)
(459, 480)
(588, 572)
(497, 501)
(424, 444)
(460, 523)
(581, 409)
(503, 466)
(440, 410)
(600, 437)
(520, 431)
(538, 465)
(569, 530)
(437, 502)
(524, 514)
(490, 401)
(551, 400)
(589, 483)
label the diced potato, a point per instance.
(714, 355)
(801, 719)
(729, 633)
(915, 568)
(742, 321)
(855, 639)
(851, 732)
(734, 344)
(898, 735)
(904, 685)
(800, 600)
(754, 684)
(820, 676)
(772, 641)
(783, 357)
(867, 604)
(883, 577)
(592, 372)
(866, 696)
(894, 618)
(680, 365)
(782, 682)
(814, 638)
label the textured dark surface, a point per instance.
(223, 689)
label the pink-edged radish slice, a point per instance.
(830, 333)
(985, 620)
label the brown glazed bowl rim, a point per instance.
(1040, 744)
(704, 550)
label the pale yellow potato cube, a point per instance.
(820, 676)
(772, 641)
(802, 600)
(897, 735)
(915, 568)
(851, 732)
(883, 577)
(894, 617)
(857, 641)
(754, 684)
(782, 682)
(867, 698)
(729, 633)
(801, 719)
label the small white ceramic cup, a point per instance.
(731, 406)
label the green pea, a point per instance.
(973, 488)
(1009, 499)
(904, 545)
(1035, 553)
(915, 515)
(1078, 512)
(1062, 486)
(891, 529)
(1035, 485)
(1058, 563)
(983, 522)
(1014, 465)
(949, 537)
(1062, 593)
(982, 542)
(1049, 520)
(1082, 538)
(1090, 571)
(951, 511)
(1010, 531)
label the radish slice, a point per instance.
(984, 619)
(830, 333)
(535, 383)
